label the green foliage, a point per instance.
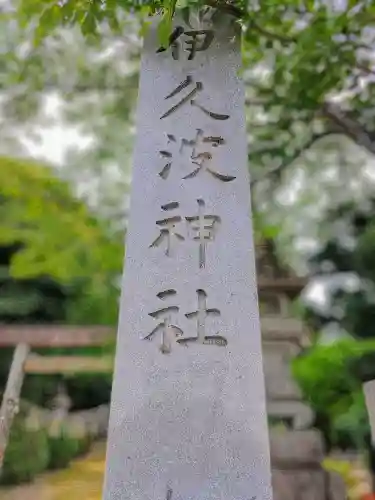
(365, 254)
(327, 380)
(353, 309)
(314, 46)
(89, 15)
(27, 454)
(58, 235)
(94, 88)
(32, 300)
(84, 445)
(300, 55)
(323, 374)
(296, 57)
(46, 234)
(63, 449)
(32, 451)
(351, 429)
(58, 265)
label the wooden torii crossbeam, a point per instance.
(54, 336)
(24, 338)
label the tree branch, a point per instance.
(297, 153)
(284, 39)
(365, 69)
(226, 7)
(340, 123)
(349, 126)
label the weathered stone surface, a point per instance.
(97, 420)
(298, 447)
(284, 398)
(277, 360)
(299, 485)
(337, 489)
(297, 454)
(188, 416)
(293, 413)
(297, 473)
(278, 328)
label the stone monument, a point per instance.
(188, 417)
(297, 451)
(283, 338)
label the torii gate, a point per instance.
(24, 361)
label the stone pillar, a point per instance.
(188, 418)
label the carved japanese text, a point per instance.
(201, 228)
(201, 149)
(170, 333)
(168, 229)
(194, 41)
(189, 97)
(165, 328)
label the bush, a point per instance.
(31, 451)
(84, 445)
(62, 449)
(328, 376)
(27, 454)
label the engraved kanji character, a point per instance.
(167, 155)
(201, 158)
(189, 97)
(204, 229)
(168, 330)
(200, 315)
(200, 40)
(168, 229)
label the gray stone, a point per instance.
(296, 452)
(279, 328)
(337, 489)
(297, 472)
(299, 485)
(281, 343)
(369, 391)
(296, 447)
(277, 360)
(188, 418)
(97, 420)
(295, 412)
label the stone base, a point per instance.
(299, 485)
(337, 489)
(297, 473)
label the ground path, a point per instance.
(81, 481)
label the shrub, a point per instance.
(63, 448)
(329, 380)
(84, 445)
(27, 454)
